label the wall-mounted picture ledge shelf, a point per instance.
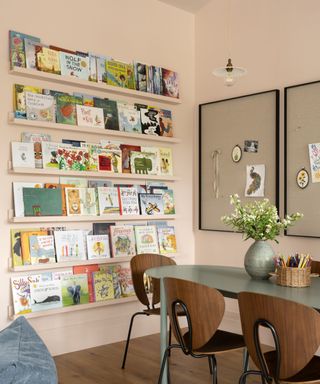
(34, 74)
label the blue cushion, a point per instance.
(24, 358)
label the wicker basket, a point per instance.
(293, 277)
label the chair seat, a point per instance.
(309, 374)
(221, 341)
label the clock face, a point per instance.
(302, 178)
(236, 154)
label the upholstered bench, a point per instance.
(24, 358)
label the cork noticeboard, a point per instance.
(302, 127)
(227, 130)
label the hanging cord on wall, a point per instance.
(215, 174)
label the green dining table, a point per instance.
(229, 281)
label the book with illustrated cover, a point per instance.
(165, 122)
(110, 112)
(129, 118)
(170, 83)
(66, 109)
(20, 287)
(92, 159)
(88, 202)
(47, 60)
(108, 200)
(57, 275)
(120, 74)
(36, 139)
(157, 80)
(150, 123)
(78, 182)
(109, 160)
(86, 99)
(93, 75)
(90, 116)
(98, 247)
(140, 76)
(73, 201)
(74, 65)
(167, 239)
(18, 196)
(45, 295)
(126, 151)
(22, 155)
(151, 204)
(16, 249)
(102, 228)
(88, 269)
(30, 53)
(72, 158)
(42, 249)
(146, 239)
(95, 183)
(114, 269)
(155, 153)
(103, 285)
(122, 240)
(69, 245)
(42, 202)
(128, 201)
(165, 161)
(168, 202)
(50, 153)
(150, 84)
(17, 55)
(145, 163)
(19, 99)
(81, 201)
(101, 68)
(61, 187)
(25, 245)
(74, 289)
(125, 280)
(40, 107)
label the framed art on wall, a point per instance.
(238, 153)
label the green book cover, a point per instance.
(66, 109)
(110, 112)
(120, 74)
(75, 289)
(42, 202)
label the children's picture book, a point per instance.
(122, 240)
(40, 107)
(92, 59)
(145, 163)
(109, 160)
(150, 83)
(74, 289)
(88, 202)
(19, 99)
(74, 65)
(36, 139)
(30, 53)
(73, 201)
(16, 254)
(47, 60)
(22, 155)
(157, 80)
(103, 285)
(17, 55)
(126, 151)
(110, 112)
(120, 74)
(98, 247)
(25, 245)
(167, 239)
(45, 295)
(168, 202)
(88, 269)
(101, 68)
(125, 280)
(170, 83)
(150, 123)
(20, 286)
(166, 167)
(86, 99)
(146, 239)
(42, 249)
(57, 275)
(72, 158)
(102, 228)
(91, 155)
(165, 122)
(79, 182)
(61, 187)
(66, 112)
(18, 195)
(128, 201)
(69, 245)
(151, 204)
(95, 183)
(129, 118)
(108, 200)
(114, 269)
(42, 202)
(90, 116)
(50, 153)
(140, 77)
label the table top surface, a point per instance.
(231, 280)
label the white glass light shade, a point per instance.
(229, 72)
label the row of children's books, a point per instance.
(36, 150)
(38, 104)
(33, 246)
(53, 199)
(28, 52)
(72, 286)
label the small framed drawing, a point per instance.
(236, 153)
(302, 178)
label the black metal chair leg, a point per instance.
(214, 369)
(164, 360)
(170, 337)
(210, 365)
(243, 377)
(129, 335)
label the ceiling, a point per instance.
(188, 5)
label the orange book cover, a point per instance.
(63, 195)
(25, 250)
(88, 269)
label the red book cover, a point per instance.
(88, 269)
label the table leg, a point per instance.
(163, 329)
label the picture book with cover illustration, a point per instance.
(146, 239)
(110, 112)
(165, 160)
(98, 246)
(140, 76)
(108, 200)
(20, 287)
(42, 202)
(145, 163)
(151, 204)
(47, 60)
(57, 275)
(150, 123)
(42, 249)
(40, 107)
(170, 83)
(168, 202)
(90, 116)
(66, 109)
(103, 285)
(125, 280)
(45, 295)
(165, 122)
(114, 270)
(61, 187)
(69, 245)
(122, 240)
(167, 239)
(120, 74)
(92, 157)
(109, 160)
(129, 118)
(74, 65)
(19, 99)
(88, 269)
(25, 246)
(36, 139)
(72, 158)
(126, 151)
(16, 254)
(17, 56)
(18, 195)
(22, 155)
(128, 200)
(30, 53)
(74, 289)
(157, 80)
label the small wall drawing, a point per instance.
(302, 178)
(251, 146)
(255, 180)
(236, 153)
(314, 156)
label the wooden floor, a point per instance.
(102, 365)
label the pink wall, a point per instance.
(146, 30)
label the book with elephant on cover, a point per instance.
(144, 163)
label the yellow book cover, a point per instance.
(103, 285)
(25, 250)
(48, 60)
(19, 99)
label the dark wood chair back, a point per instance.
(315, 266)
(205, 308)
(296, 325)
(139, 264)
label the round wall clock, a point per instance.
(236, 153)
(302, 178)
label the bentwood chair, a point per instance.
(139, 264)
(204, 309)
(295, 329)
